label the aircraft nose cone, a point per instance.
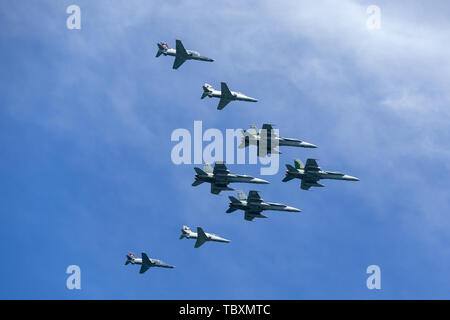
(308, 145)
(350, 178)
(292, 209)
(261, 181)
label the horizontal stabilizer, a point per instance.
(287, 178)
(290, 168)
(233, 199)
(230, 210)
(200, 172)
(196, 183)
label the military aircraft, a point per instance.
(180, 53)
(201, 236)
(146, 262)
(311, 173)
(225, 95)
(220, 177)
(267, 136)
(253, 205)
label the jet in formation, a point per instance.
(146, 262)
(225, 95)
(268, 136)
(201, 236)
(310, 174)
(253, 205)
(180, 54)
(220, 177)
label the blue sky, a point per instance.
(86, 176)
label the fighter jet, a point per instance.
(225, 95)
(201, 236)
(220, 177)
(311, 173)
(253, 205)
(267, 136)
(146, 262)
(180, 53)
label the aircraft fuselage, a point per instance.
(192, 55)
(235, 96)
(321, 174)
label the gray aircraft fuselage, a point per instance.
(311, 173)
(213, 93)
(253, 205)
(321, 174)
(280, 141)
(220, 177)
(228, 178)
(192, 55)
(262, 206)
(268, 136)
(188, 234)
(132, 259)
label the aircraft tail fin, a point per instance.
(201, 237)
(197, 183)
(241, 195)
(162, 47)
(287, 178)
(290, 168)
(207, 167)
(298, 164)
(206, 90)
(233, 199)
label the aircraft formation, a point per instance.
(266, 140)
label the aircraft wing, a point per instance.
(311, 164)
(220, 169)
(201, 237)
(214, 189)
(146, 264)
(226, 93)
(249, 215)
(181, 55)
(269, 130)
(267, 126)
(178, 62)
(223, 103)
(253, 196)
(144, 268)
(308, 183)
